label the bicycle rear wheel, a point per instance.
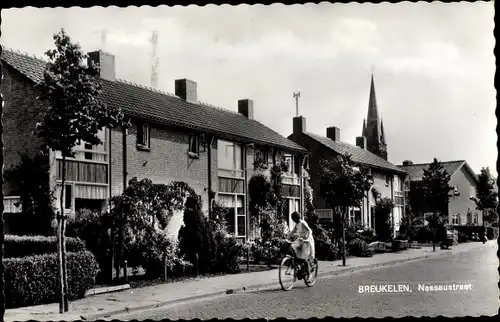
(310, 280)
(287, 273)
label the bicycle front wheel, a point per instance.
(287, 274)
(310, 280)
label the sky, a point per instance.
(433, 64)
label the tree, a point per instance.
(383, 223)
(341, 187)
(75, 113)
(436, 191)
(486, 197)
(409, 224)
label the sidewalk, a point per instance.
(104, 305)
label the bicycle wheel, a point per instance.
(310, 279)
(287, 273)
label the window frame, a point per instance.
(234, 212)
(234, 158)
(143, 129)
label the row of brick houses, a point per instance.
(175, 137)
(171, 138)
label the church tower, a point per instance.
(373, 127)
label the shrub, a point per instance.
(325, 249)
(21, 246)
(492, 233)
(230, 251)
(196, 237)
(151, 254)
(359, 248)
(94, 228)
(33, 280)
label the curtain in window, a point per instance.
(226, 201)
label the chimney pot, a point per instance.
(361, 142)
(333, 133)
(105, 62)
(186, 89)
(245, 108)
(299, 125)
(407, 162)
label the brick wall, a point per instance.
(21, 113)
(166, 161)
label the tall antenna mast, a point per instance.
(155, 61)
(103, 39)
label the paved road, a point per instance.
(339, 296)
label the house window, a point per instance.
(68, 197)
(261, 157)
(229, 155)
(235, 218)
(387, 180)
(143, 135)
(475, 219)
(454, 219)
(88, 155)
(196, 145)
(372, 217)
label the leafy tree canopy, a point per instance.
(341, 185)
(72, 90)
(436, 188)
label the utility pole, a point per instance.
(155, 60)
(296, 96)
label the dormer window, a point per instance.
(143, 135)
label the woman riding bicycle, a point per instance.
(302, 240)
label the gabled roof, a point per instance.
(358, 155)
(416, 171)
(167, 109)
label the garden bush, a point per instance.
(197, 238)
(358, 247)
(325, 249)
(492, 233)
(34, 280)
(21, 246)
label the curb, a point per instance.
(107, 289)
(125, 310)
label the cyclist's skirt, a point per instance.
(302, 249)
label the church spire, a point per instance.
(363, 130)
(372, 103)
(374, 128)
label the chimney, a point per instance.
(333, 133)
(407, 162)
(245, 108)
(105, 62)
(186, 89)
(299, 125)
(361, 142)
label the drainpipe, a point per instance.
(392, 211)
(124, 131)
(109, 164)
(245, 188)
(209, 157)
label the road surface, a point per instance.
(471, 276)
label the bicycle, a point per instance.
(291, 264)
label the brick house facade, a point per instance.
(387, 178)
(461, 207)
(172, 137)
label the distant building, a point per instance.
(369, 154)
(461, 207)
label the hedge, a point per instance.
(33, 280)
(21, 246)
